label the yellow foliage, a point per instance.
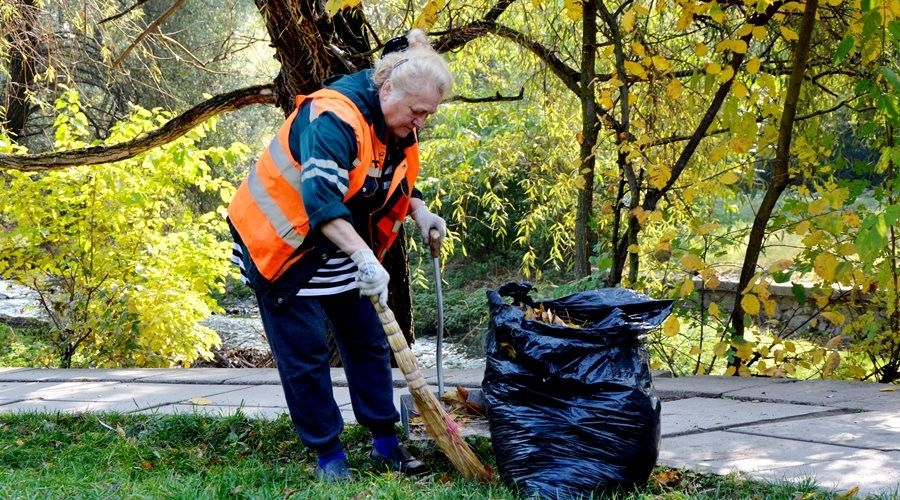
(788, 34)
(802, 228)
(714, 310)
(759, 32)
(825, 265)
(831, 364)
(753, 65)
(674, 89)
(574, 9)
(818, 207)
(701, 49)
(726, 74)
(635, 69)
(691, 262)
(750, 304)
(671, 326)
(729, 178)
(713, 68)
(628, 22)
(834, 342)
(429, 14)
(835, 318)
(739, 89)
(720, 349)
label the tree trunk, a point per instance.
(780, 173)
(590, 125)
(23, 51)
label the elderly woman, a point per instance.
(312, 222)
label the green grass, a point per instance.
(189, 456)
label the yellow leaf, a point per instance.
(660, 63)
(714, 309)
(701, 49)
(333, 6)
(818, 207)
(713, 68)
(781, 265)
(720, 349)
(687, 287)
(739, 89)
(750, 304)
(753, 65)
(635, 69)
(615, 82)
(847, 249)
(707, 228)
(641, 10)
(730, 371)
(671, 326)
(888, 389)
(729, 178)
(573, 9)
(759, 32)
(638, 49)
(695, 351)
(836, 318)
(429, 14)
(740, 144)
(674, 89)
(802, 228)
(628, 22)
(726, 74)
(744, 30)
(606, 100)
(833, 361)
(825, 265)
(691, 262)
(834, 342)
(633, 249)
(739, 46)
(713, 283)
(200, 401)
(788, 34)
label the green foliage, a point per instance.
(503, 174)
(189, 456)
(123, 261)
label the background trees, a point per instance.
(614, 143)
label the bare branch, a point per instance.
(494, 98)
(153, 26)
(126, 11)
(173, 129)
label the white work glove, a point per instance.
(371, 277)
(428, 221)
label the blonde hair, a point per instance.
(409, 69)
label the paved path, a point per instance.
(842, 434)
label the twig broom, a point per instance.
(438, 423)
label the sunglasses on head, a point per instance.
(396, 44)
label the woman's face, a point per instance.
(405, 112)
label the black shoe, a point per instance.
(334, 471)
(401, 460)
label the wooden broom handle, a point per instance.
(434, 241)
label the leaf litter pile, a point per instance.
(458, 402)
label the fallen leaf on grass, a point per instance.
(146, 465)
(669, 477)
(851, 493)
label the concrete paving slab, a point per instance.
(42, 406)
(194, 376)
(7, 370)
(255, 376)
(767, 458)
(710, 386)
(698, 414)
(262, 395)
(142, 395)
(837, 394)
(871, 430)
(80, 375)
(263, 412)
(11, 392)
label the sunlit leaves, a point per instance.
(333, 6)
(429, 14)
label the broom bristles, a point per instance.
(438, 423)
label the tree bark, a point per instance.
(23, 51)
(590, 126)
(780, 172)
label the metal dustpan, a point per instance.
(470, 424)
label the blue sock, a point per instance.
(326, 459)
(386, 444)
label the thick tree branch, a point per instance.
(494, 98)
(173, 129)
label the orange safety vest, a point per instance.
(268, 213)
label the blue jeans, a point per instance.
(296, 329)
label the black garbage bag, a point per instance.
(572, 410)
